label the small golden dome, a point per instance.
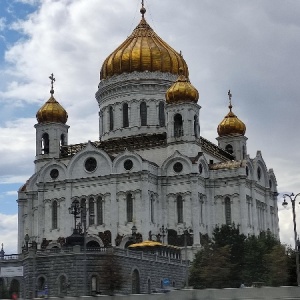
(231, 125)
(52, 111)
(143, 51)
(182, 91)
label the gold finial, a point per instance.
(230, 96)
(143, 9)
(52, 81)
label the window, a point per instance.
(201, 212)
(178, 125)
(45, 143)
(129, 208)
(152, 209)
(244, 152)
(83, 211)
(94, 284)
(99, 211)
(161, 114)
(62, 140)
(54, 215)
(111, 118)
(227, 211)
(143, 112)
(258, 173)
(229, 148)
(125, 115)
(91, 212)
(179, 209)
(196, 127)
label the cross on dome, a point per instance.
(230, 96)
(51, 77)
(143, 9)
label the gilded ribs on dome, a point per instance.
(143, 51)
(182, 91)
(52, 111)
(231, 124)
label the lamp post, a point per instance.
(186, 231)
(75, 210)
(164, 232)
(293, 198)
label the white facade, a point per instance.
(144, 171)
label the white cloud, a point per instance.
(2, 24)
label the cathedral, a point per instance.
(151, 173)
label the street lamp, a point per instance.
(293, 200)
(75, 210)
(164, 232)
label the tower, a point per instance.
(231, 133)
(51, 129)
(182, 111)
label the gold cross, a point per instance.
(51, 77)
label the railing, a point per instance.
(11, 257)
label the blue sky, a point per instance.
(251, 47)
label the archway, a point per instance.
(135, 282)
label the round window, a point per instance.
(90, 164)
(128, 164)
(178, 167)
(54, 173)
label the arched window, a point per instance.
(129, 208)
(45, 143)
(135, 282)
(54, 214)
(111, 118)
(229, 148)
(143, 112)
(94, 284)
(125, 115)
(99, 211)
(179, 209)
(152, 209)
(161, 114)
(227, 211)
(83, 211)
(91, 211)
(62, 140)
(196, 127)
(258, 173)
(244, 152)
(178, 125)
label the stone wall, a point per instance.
(49, 267)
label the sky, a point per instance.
(250, 47)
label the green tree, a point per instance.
(229, 235)
(211, 268)
(277, 266)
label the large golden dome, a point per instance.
(143, 51)
(231, 125)
(52, 111)
(182, 91)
